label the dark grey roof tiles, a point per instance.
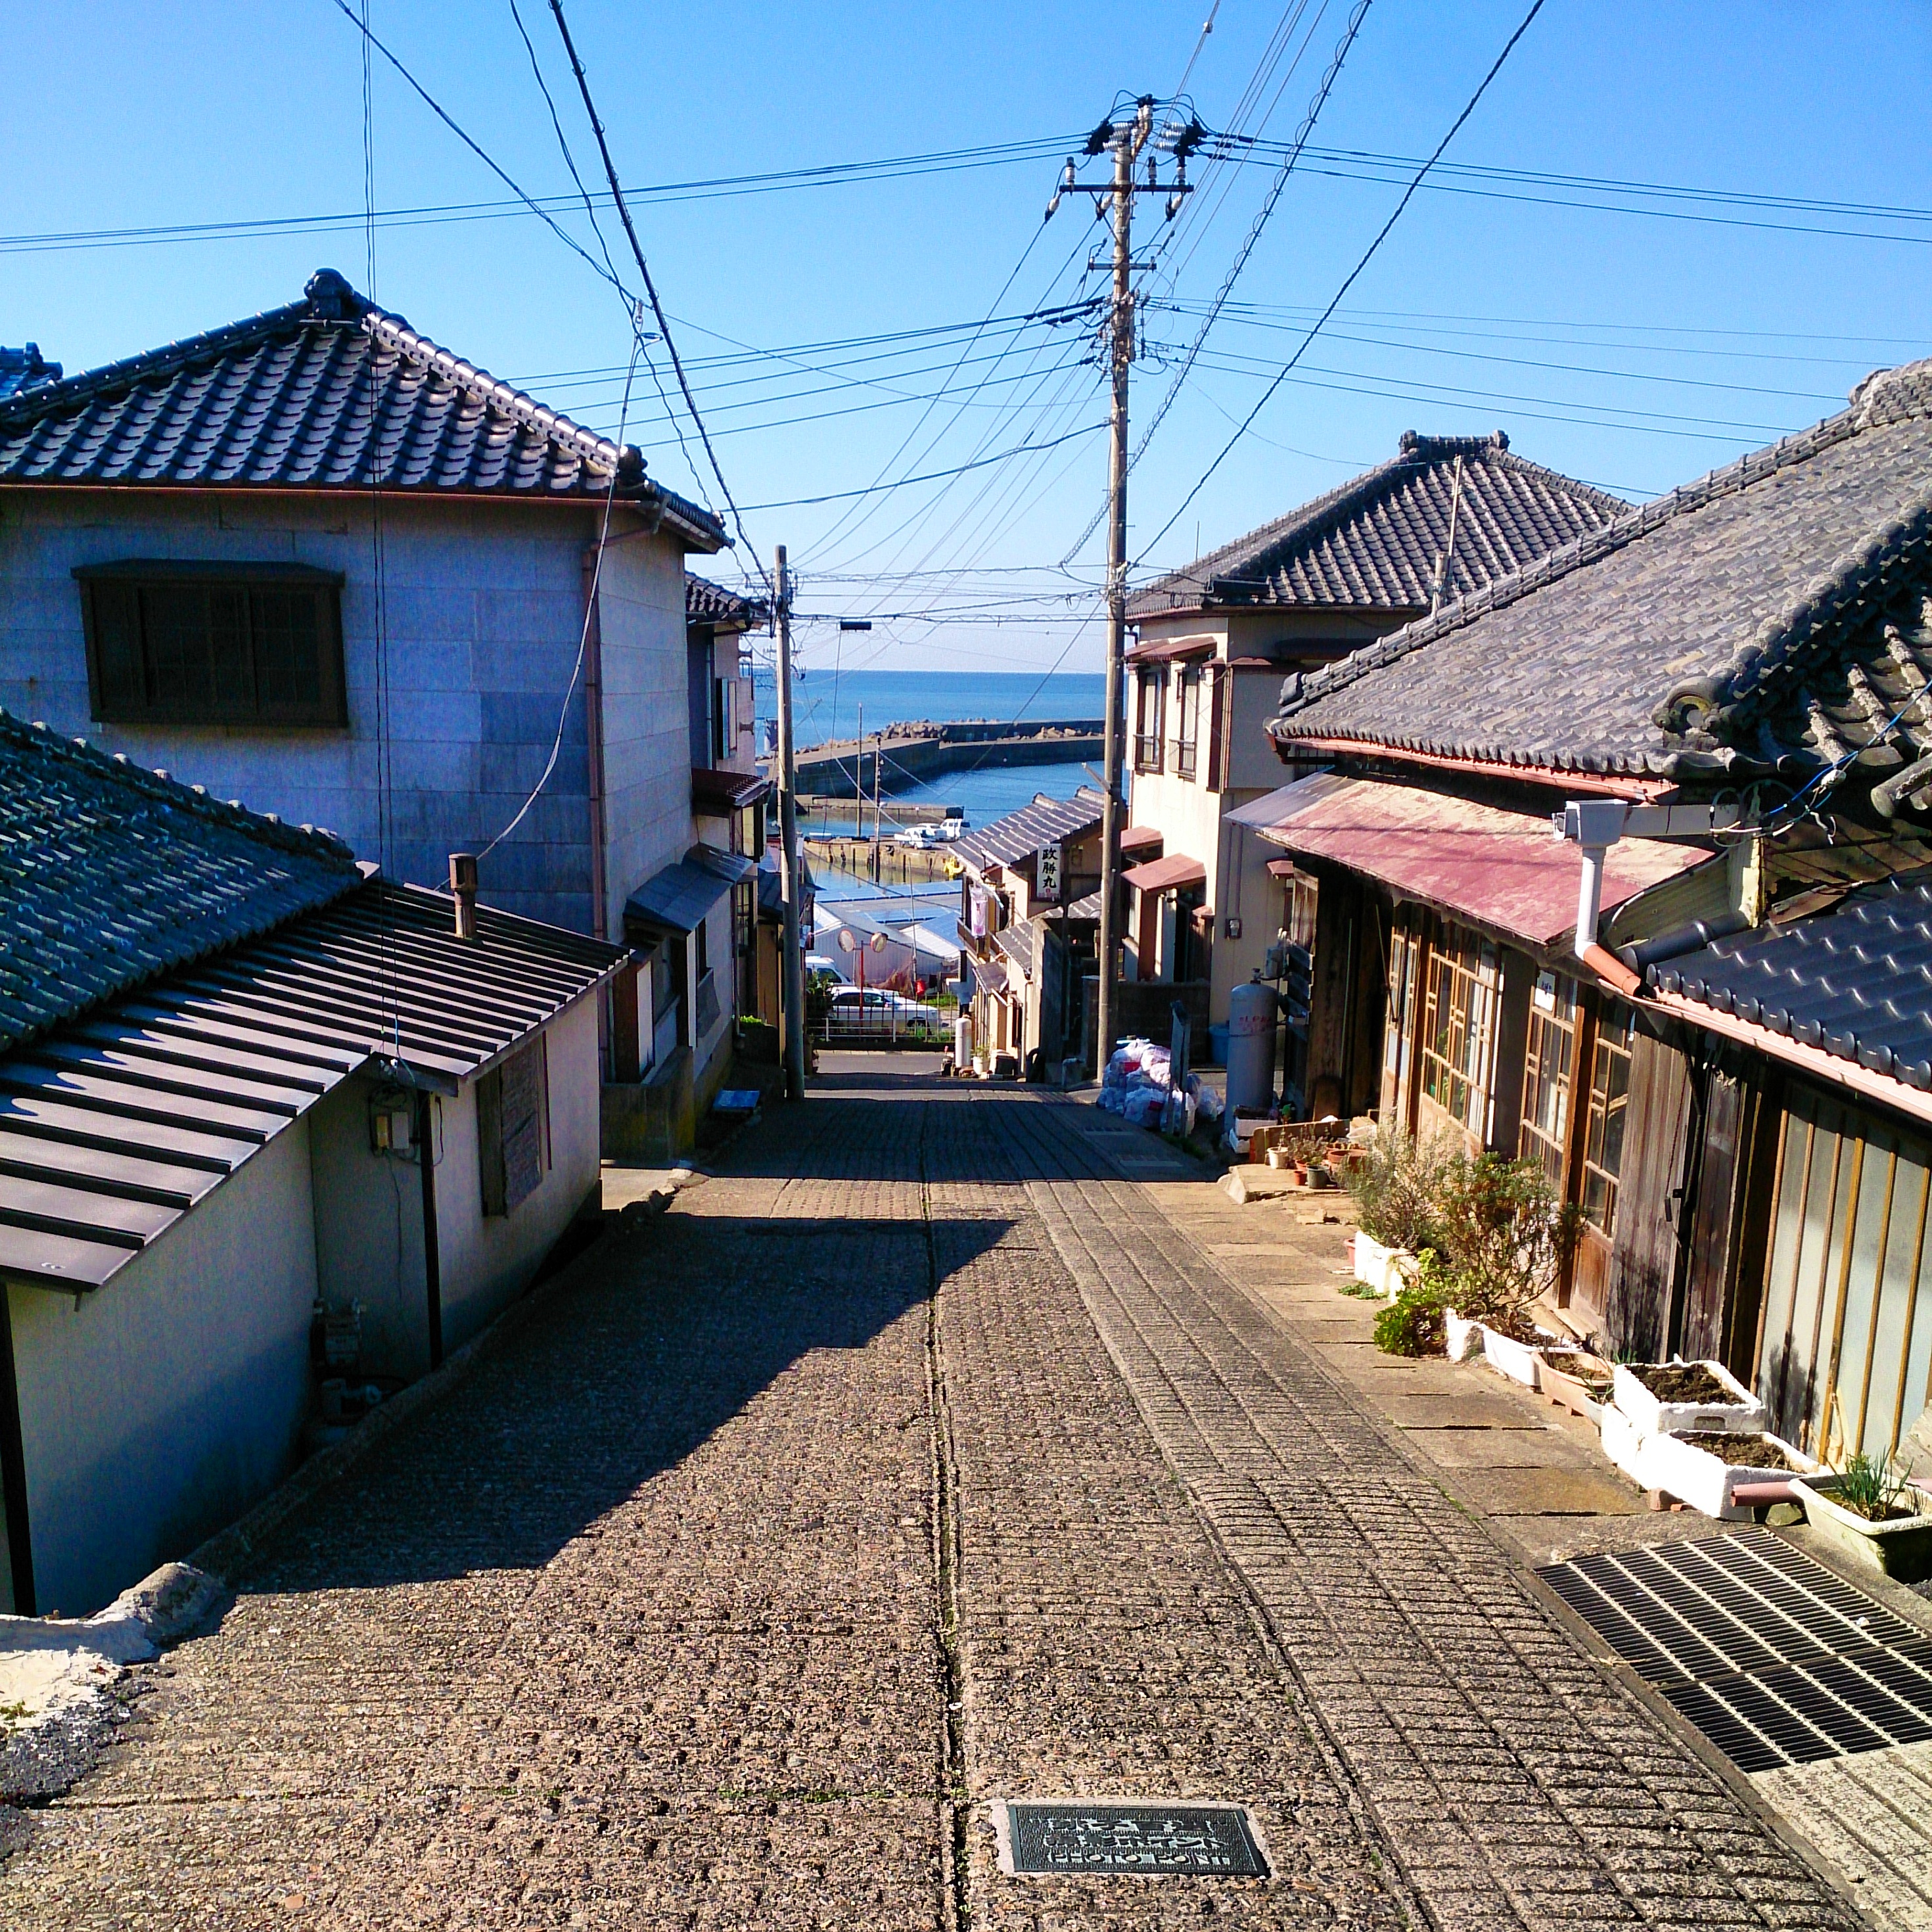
(25, 369)
(708, 603)
(110, 875)
(330, 393)
(1375, 542)
(1021, 833)
(1694, 632)
(1855, 981)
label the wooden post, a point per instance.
(791, 886)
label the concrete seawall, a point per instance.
(910, 754)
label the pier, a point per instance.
(906, 755)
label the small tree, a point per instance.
(1506, 1232)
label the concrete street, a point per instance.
(927, 1454)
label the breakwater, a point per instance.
(906, 755)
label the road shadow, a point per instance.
(668, 1333)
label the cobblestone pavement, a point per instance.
(731, 1592)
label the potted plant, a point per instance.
(1871, 1512)
(1663, 1398)
(1393, 1182)
(1704, 1467)
(1575, 1380)
(1507, 1232)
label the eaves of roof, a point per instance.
(330, 393)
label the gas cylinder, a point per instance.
(1251, 1020)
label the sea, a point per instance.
(826, 704)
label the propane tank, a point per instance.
(1251, 1017)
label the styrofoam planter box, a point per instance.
(1902, 1548)
(1465, 1339)
(1744, 1414)
(1517, 1360)
(1620, 1441)
(1697, 1477)
(1387, 1271)
(1553, 1378)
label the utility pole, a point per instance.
(790, 883)
(1127, 139)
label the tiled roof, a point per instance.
(1767, 618)
(1855, 982)
(708, 603)
(1021, 833)
(112, 1128)
(1376, 543)
(330, 393)
(110, 874)
(25, 369)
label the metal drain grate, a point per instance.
(1772, 1658)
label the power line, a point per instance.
(650, 287)
(1368, 256)
(932, 476)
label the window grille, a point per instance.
(174, 643)
(1603, 1126)
(1548, 1075)
(1151, 731)
(1461, 988)
(1189, 724)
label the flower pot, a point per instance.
(1705, 1481)
(1555, 1377)
(1900, 1547)
(1519, 1360)
(1385, 1269)
(1654, 1417)
(1464, 1338)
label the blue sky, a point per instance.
(1631, 349)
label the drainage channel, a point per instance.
(1777, 1661)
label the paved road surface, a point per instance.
(916, 1460)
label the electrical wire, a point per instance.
(1368, 256)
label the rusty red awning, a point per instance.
(1164, 875)
(1503, 869)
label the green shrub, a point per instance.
(1506, 1232)
(1395, 1187)
(1872, 1487)
(1412, 1323)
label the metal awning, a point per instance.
(1502, 869)
(1138, 837)
(675, 900)
(1169, 649)
(1165, 875)
(113, 1126)
(715, 792)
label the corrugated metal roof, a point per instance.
(1502, 869)
(329, 393)
(113, 1127)
(1855, 982)
(109, 874)
(677, 899)
(1023, 832)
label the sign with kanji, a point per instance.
(1046, 875)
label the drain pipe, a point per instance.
(1594, 825)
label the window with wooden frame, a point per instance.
(1150, 688)
(1844, 1349)
(1549, 1075)
(1603, 1123)
(1461, 989)
(1404, 962)
(513, 1150)
(190, 643)
(1188, 725)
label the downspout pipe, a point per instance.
(13, 1469)
(425, 1130)
(1594, 825)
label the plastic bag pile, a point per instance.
(1137, 1082)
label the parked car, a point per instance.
(871, 1009)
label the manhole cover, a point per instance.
(1196, 1840)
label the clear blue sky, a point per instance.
(1634, 350)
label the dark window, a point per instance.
(513, 1127)
(221, 644)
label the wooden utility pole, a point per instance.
(790, 874)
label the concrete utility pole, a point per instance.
(790, 874)
(1127, 139)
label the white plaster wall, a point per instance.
(485, 1261)
(368, 1232)
(169, 1401)
(647, 715)
(483, 607)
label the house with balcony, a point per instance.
(313, 559)
(1622, 862)
(1444, 517)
